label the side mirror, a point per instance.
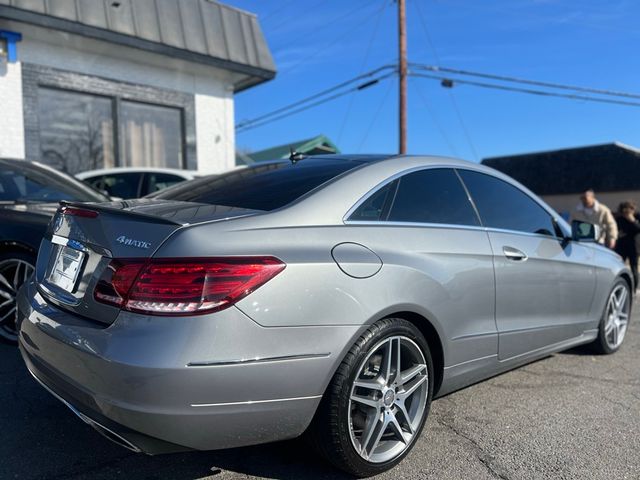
(584, 231)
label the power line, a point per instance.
(442, 131)
(423, 23)
(287, 20)
(435, 121)
(465, 131)
(375, 117)
(335, 40)
(364, 64)
(504, 78)
(454, 103)
(287, 112)
(277, 10)
(246, 123)
(450, 82)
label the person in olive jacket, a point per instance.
(628, 228)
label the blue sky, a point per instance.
(317, 44)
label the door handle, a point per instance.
(514, 254)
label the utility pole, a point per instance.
(402, 74)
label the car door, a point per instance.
(544, 283)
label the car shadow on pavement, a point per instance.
(580, 350)
(48, 441)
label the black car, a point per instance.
(29, 196)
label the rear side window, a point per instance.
(425, 196)
(122, 185)
(376, 206)
(160, 181)
(265, 187)
(504, 206)
(96, 182)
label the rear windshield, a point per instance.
(265, 187)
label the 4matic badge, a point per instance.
(133, 243)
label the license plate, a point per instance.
(66, 267)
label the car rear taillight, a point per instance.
(79, 212)
(183, 286)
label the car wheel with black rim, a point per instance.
(15, 269)
(378, 400)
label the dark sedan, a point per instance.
(29, 196)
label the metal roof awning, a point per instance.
(200, 31)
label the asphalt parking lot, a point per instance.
(572, 415)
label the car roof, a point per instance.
(345, 191)
(186, 174)
(36, 168)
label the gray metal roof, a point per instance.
(202, 31)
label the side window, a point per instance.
(504, 206)
(159, 181)
(373, 208)
(432, 196)
(122, 185)
(96, 182)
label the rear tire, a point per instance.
(375, 407)
(615, 319)
(15, 269)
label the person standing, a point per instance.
(628, 228)
(592, 211)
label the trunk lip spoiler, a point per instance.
(118, 211)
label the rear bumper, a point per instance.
(168, 384)
(117, 433)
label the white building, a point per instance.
(88, 84)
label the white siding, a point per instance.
(11, 118)
(212, 88)
(214, 128)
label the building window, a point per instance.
(79, 122)
(77, 132)
(150, 135)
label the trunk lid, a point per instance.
(83, 238)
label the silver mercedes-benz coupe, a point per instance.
(333, 296)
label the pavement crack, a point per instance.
(564, 373)
(483, 457)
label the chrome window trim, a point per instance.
(395, 176)
(382, 223)
(449, 226)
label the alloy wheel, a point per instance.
(617, 316)
(13, 273)
(388, 399)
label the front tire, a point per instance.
(615, 319)
(376, 405)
